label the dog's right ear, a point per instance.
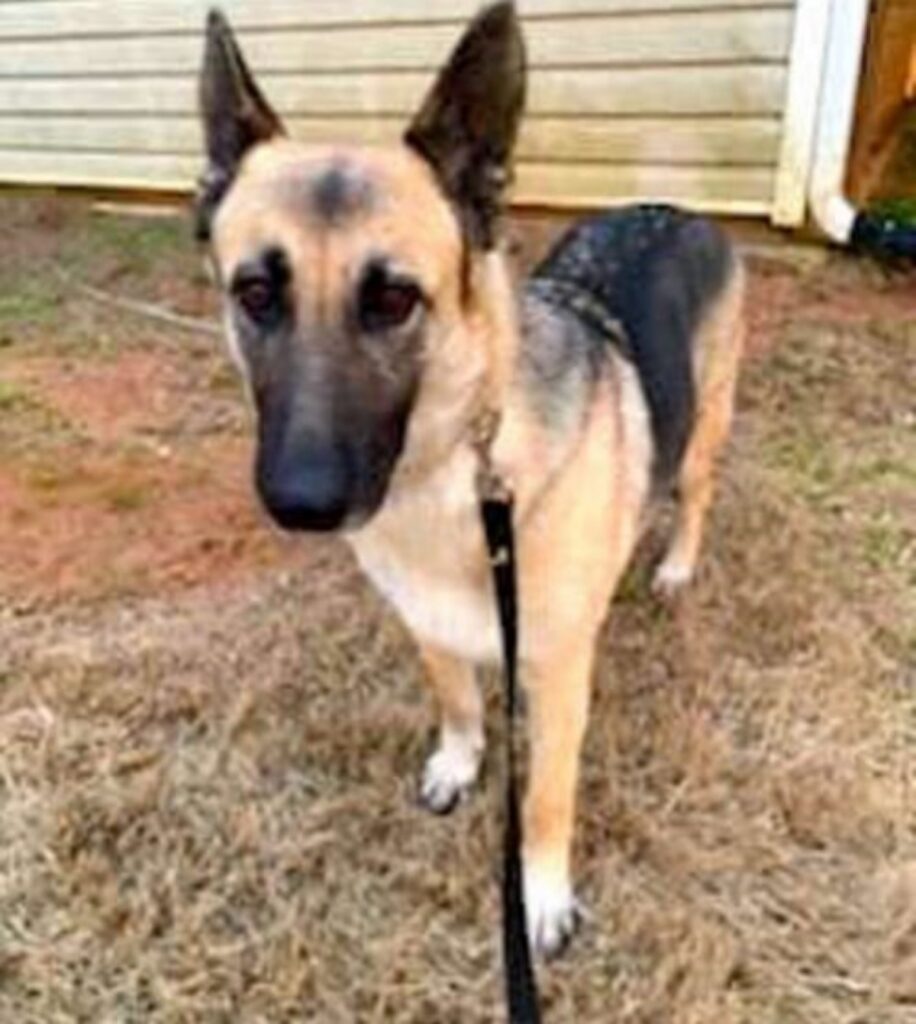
(235, 114)
(467, 125)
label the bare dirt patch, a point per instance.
(209, 737)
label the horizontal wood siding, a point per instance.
(629, 99)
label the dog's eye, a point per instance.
(258, 297)
(259, 287)
(386, 303)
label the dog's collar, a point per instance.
(587, 307)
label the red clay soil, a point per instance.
(117, 505)
(115, 524)
(837, 293)
(108, 400)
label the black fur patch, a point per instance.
(339, 194)
(467, 125)
(235, 115)
(656, 270)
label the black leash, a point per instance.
(521, 986)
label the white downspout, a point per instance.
(835, 215)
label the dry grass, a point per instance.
(207, 798)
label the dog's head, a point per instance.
(347, 273)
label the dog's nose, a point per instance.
(306, 493)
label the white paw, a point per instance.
(450, 772)
(552, 912)
(671, 577)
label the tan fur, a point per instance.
(580, 494)
(269, 204)
(577, 529)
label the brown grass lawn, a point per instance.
(209, 736)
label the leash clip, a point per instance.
(499, 557)
(489, 483)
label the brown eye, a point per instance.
(257, 297)
(259, 288)
(385, 302)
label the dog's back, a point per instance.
(659, 272)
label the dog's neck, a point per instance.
(496, 305)
(478, 375)
(471, 372)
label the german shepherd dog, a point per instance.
(370, 308)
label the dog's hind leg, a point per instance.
(719, 347)
(453, 766)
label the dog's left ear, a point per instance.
(235, 115)
(467, 125)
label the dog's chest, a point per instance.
(424, 551)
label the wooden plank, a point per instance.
(169, 172)
(726, 141)
(717, 36)
(888, 76)
(750, 90)
(732, 189)
(80, 18)
(660, 91)
(630, 99)
(727, 189)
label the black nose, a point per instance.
(305, 492)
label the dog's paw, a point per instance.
(671, 577)
(552, 913)
(449, 774)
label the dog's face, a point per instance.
(333, 297)
(345, 272)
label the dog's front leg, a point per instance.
(559, 689)
(453, 766)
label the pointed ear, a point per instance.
(235, 116)
(467, 125)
